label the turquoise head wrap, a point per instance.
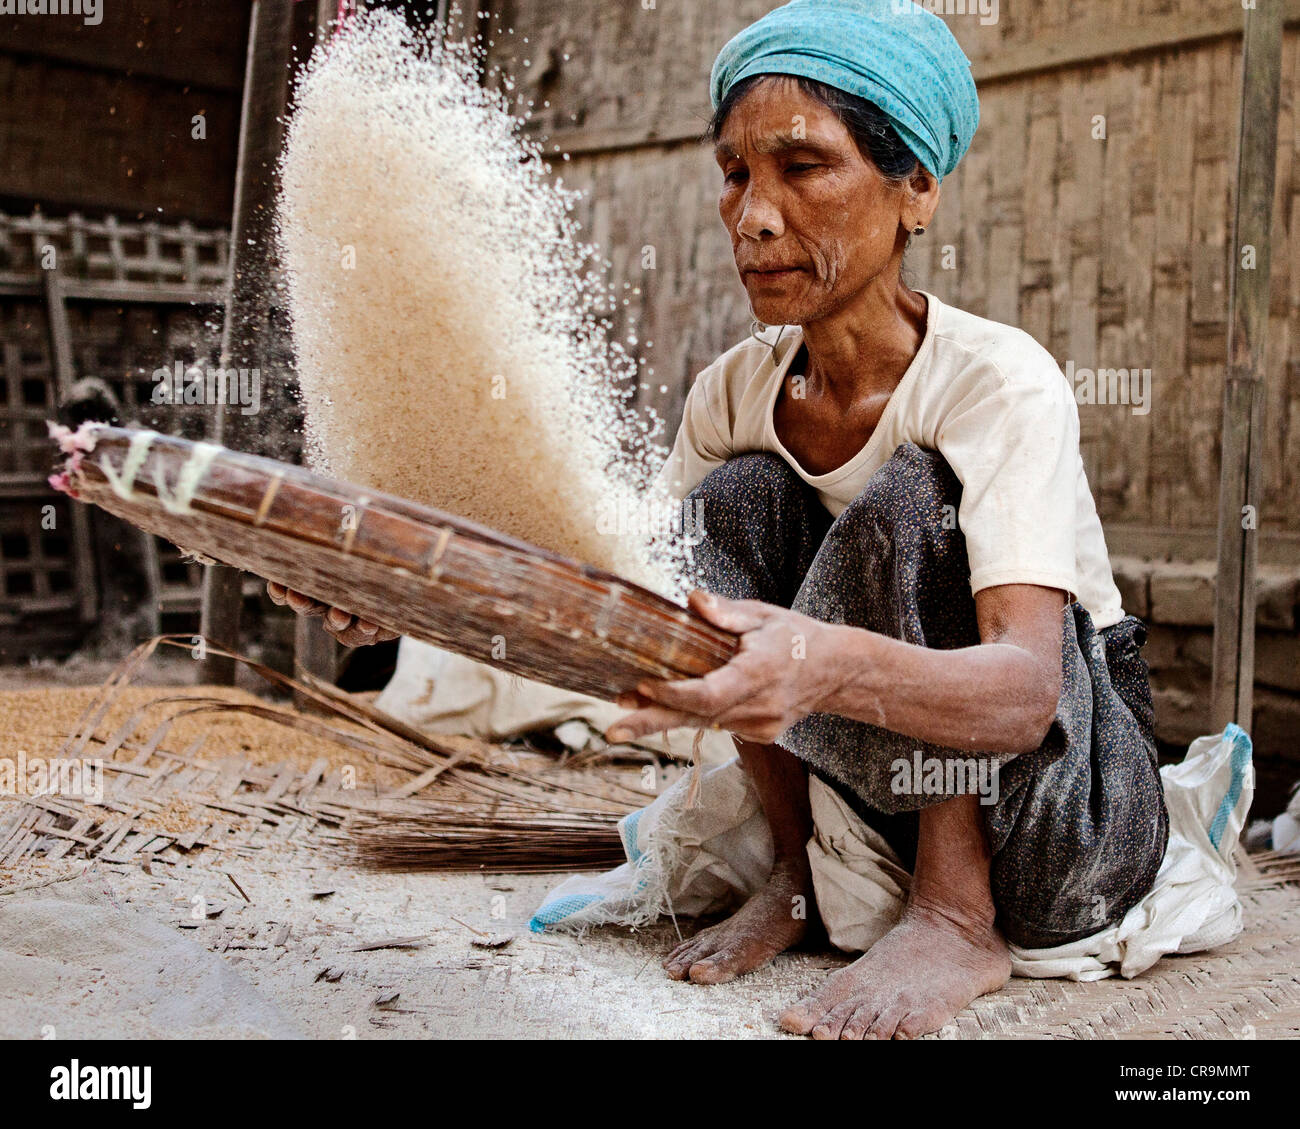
(893, 53)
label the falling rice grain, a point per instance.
(447, 320)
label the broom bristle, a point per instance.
(458, 836)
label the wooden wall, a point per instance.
(1113, 253)
(99, 117)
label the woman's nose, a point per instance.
(761, 218)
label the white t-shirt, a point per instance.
(988, 398)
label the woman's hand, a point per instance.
(347, 629)
(781, 673)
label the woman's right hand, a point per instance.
(347, 629)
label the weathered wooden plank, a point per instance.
(1240, 487)
(1039, 179)
(65, 376)
(196, 44)
(261, 129)
(1096, 41)
(971, 238)
(1282, 357)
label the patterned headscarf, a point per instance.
(893, 53)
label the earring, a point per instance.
(919, 229)
(756, 329)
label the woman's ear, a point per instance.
(923, 199)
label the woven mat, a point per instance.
(196, 774)
(186, 774)
(175, 807)
(1244, 990)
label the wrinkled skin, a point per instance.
(818, 236)
(347, 629)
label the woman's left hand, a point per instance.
(779, 675)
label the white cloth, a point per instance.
(1286, 827)
(1286, 834)
(693, 859)
(441, 692)
(988, 398)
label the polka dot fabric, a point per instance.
(893, 53)
(1077, 828)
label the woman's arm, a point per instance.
(997, 697)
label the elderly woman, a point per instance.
(898, 525)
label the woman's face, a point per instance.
(812, 222)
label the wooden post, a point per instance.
(326, 14)
(315, 651)
(83, 549)
(1240, 478)
(266, 89)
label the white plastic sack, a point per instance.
(691, 860)
(681, 858)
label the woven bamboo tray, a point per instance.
(407, 567)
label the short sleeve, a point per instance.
(1013, 441)
(701, 443)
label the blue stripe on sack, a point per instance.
(1241, 751)
(630, 844)
(554, 912)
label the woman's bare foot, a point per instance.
(774, 919)
(913, 980)
(944, 952)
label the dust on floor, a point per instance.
(276, 937)
(311, 945)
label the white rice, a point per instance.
(446, 318)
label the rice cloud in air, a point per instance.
(446, 317)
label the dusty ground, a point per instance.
(288, 938)
(607, 984)
(295, 939)
(293, 953)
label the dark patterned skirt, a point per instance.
(1077, 828)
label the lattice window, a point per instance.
(26, 391)
(111, 251)
(131, 298)
(36, 562)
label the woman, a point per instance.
(898, 525)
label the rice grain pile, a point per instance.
(446, 316)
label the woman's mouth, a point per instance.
(773, 274)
